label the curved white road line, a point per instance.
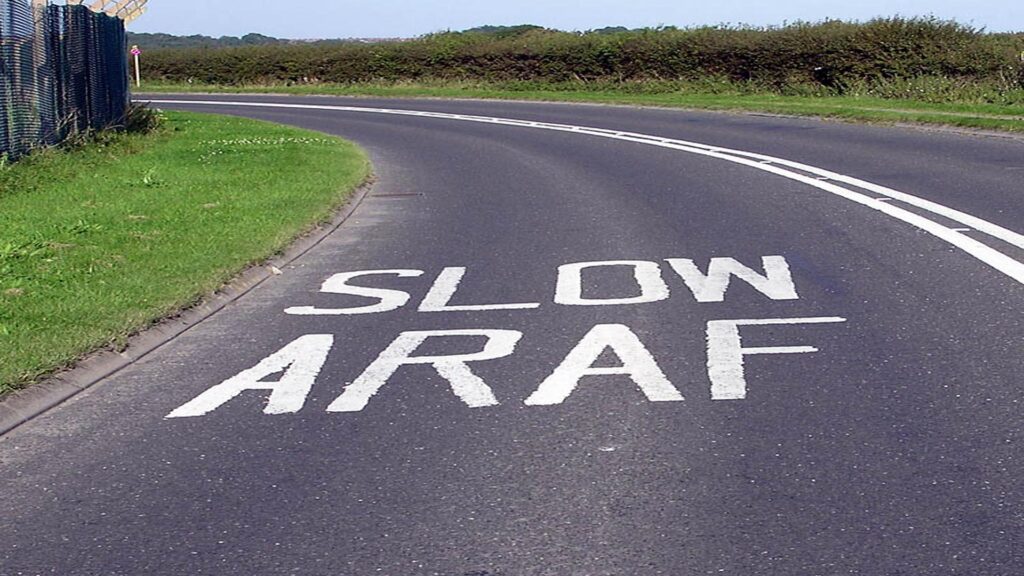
(778, 166)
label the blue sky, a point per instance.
(405, 18)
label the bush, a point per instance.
(141, 119)
(832, 56)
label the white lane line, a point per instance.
(984, 226)
(1001, 262)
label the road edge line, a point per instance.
(907, 124)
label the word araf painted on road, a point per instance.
(300, 362)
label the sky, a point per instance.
(408, 18)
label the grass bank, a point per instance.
(98, 242)
(853, 108)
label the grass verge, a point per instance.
(852, 108)
(98, 242)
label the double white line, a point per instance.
(855, 190)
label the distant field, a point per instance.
(100, 241)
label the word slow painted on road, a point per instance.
(298, 364)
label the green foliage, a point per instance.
(504, 31)
(830, 56)
(154, 41)
(148, 41)
(99, 241)
(141, 119)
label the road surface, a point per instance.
(578, 340)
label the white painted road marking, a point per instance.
(338, 284)
(447, 283)
(986, 254)
(569, 289)
(725, 353)
(637, 363)
(301, 361)
(466, 385)
(776, 283)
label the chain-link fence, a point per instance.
(63, 70)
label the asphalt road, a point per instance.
(598, 419)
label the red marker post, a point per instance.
(138, 73)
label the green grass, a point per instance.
(100, 241)
(852, 108)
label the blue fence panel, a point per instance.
(63, 71)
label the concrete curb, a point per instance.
(20, 407)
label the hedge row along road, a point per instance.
(560, 339)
